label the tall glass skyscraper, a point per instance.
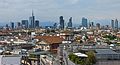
(12, 25)
(18, 24)
(70, 23)
(112, 24)
(36, 23)
(32, 20)
(116, 24)
(84, 22)
(24, 23)
(55, 25)
(61, 22)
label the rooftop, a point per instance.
(81, 55)
(105, 51)
(50, 39)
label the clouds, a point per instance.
(51, 9)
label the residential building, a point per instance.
(49, 43)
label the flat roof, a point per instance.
(40, 53)
(105, 51)
(81, 54)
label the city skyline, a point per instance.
(17, 10)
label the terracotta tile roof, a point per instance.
(2, 33)
(50, 39)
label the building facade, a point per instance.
(61, 22)
(12, 25)
(36, 23)
(116, 24)
(70, 23)
(84, 22)
(32, 21)
(24, 23)
(112, 24)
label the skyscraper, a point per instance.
(6, 26)
(61, 22)
(32, 20)
(116, 24)
(12, 25)
(112, 24)
(37, 24)
(84, 22)
(24, 23)
(55, 25)
(98, 25)
(91, 25)
(18, 24)
(70, 23)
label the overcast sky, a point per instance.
(50, 10)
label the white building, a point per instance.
(10, 60)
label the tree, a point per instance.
(76, 59)
(91, 58)
(110, 37)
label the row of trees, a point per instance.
(90, 60)
(110, 37)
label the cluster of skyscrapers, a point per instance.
(31, 23)
(114, 24)
(62, 23)
(70, 24)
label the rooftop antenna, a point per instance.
(32, 13)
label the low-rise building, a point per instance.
(49, 43)
(10, 60)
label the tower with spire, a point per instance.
(32, 20)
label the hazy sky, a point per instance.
(50, 10)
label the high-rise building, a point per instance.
(116, 24)
(61, 22)
(91, 24)
(12, 25)
(24, 23)
(70, 23)
(6, 26)
(98, 25)
(32, 20)
(37, 24)
(18, 24)
(84, 22)
(55, 25)
(112, 24)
